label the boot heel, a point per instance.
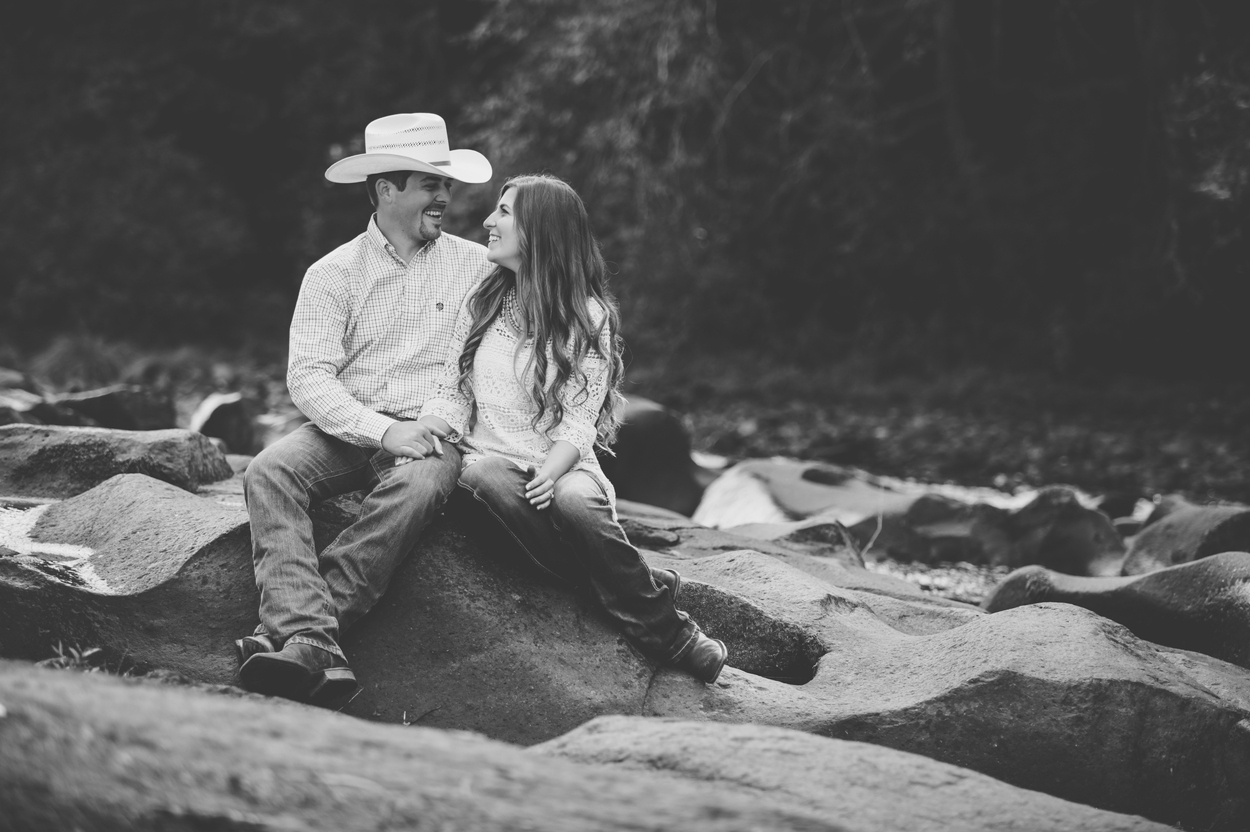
(332, 685)
(249, 646)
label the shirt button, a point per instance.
(439, 306)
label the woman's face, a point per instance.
(503, 248)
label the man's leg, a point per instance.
(358, 564)
(281, 482)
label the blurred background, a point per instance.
(994, 241)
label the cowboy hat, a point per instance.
(410, 141)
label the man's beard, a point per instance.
(428, 231)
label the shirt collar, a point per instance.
(379, 239)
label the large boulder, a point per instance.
(122, 406)
(59, 462)
(164, 580)
(864, 786)
(231, 418)
(1184, 532)
(651, 460)
(468, 637)
(82, 751)
(23, 407)
(1203, 605)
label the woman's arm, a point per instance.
(575, 436)
(560, 460)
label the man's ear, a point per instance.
(383, 189)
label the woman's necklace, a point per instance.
(512, 311)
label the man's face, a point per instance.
(418, 208)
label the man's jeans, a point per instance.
(309, 599)
(578, 538)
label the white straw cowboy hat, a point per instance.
(410, 141)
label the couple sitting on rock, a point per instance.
(425, 361)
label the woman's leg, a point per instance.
(499, 486)
(643, 606)
(620, 578)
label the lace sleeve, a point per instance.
(582, 406)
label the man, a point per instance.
(368, 339)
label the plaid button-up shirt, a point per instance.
(370, 333)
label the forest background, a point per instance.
(999, 241)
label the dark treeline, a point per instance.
(1055, 184)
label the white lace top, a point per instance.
(497, 420)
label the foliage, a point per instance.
(1056, 185)
(1059, 184)
(72, 658)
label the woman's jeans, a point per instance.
(578, 539)
(309, 599)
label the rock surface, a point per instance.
(59, 462)
(865, 786)
(1053, 529)
(770, 491)
(1185, 533)
(1049, 697)
(168, 581)
(652, 461)
(1202, 606)
(232, 419)
(23, 407)
(122, 406)
(89, 752)
(798, 502)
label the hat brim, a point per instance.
(466, 166)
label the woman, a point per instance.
(529, 454)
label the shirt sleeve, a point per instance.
(316, 358)
(448, 402)
(581, 407)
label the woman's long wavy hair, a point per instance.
(562, 270)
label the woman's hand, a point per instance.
(413, 440)
(540, 489)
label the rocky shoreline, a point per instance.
(853, 699)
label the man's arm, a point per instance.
(318, 327)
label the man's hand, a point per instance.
(413, 440)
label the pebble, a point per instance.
(968, 583)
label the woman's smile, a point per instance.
(502, 244)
